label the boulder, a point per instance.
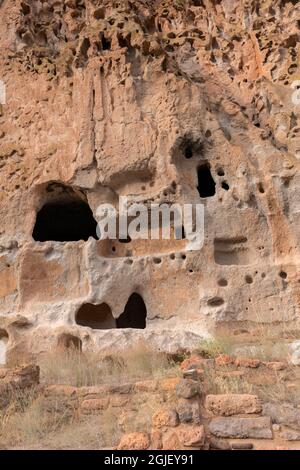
(283, 413)
(191, 436)
(187, 388)
(232, 404)
(165, 417)
(134, 441)
(241, 428)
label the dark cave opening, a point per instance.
(206, 184)
(135, 313)
(65, 222)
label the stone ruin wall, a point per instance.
(152, 100)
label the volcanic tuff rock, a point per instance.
(187, 101)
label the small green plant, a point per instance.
(213, 347)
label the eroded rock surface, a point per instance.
(174, 101)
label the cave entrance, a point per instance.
(3, 346)
(98, 317)
(206, 185)
(65, 221)
(135, 313)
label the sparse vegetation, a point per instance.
(40, 421)
(44, 422)
(85, 369)
(216, 382)
(29, 418)
(213, 347)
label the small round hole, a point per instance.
(188, 153)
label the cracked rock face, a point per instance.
(177, 101)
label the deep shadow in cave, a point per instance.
(65, 222)
(135, 313)
(206, 185)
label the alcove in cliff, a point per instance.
(98, 317)
(206, 185)
(65, 217)
(135, 313)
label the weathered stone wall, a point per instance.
(178, 412)
(108, 99)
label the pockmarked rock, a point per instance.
(256, 428)
(283, 413)
(134, 441)
(165, 417)
(232, 404)
(154, 102)
(187, 388)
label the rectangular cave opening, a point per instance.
(65, 221)
(206, 184)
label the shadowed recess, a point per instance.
(98, 317)
(65, 222)
(135, 313)
(206, 185)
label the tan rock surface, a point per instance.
(108, 99)
(232, 404)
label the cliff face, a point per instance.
(163, 101)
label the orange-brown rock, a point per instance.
(171, 441)
(165, 417)
(224, 360)
(134, 441)
(244, 362)
(192, 362)
(168, 385)
(191, 436)
(146, 386)
(61, 390)
(94, 405)
(156, 439)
